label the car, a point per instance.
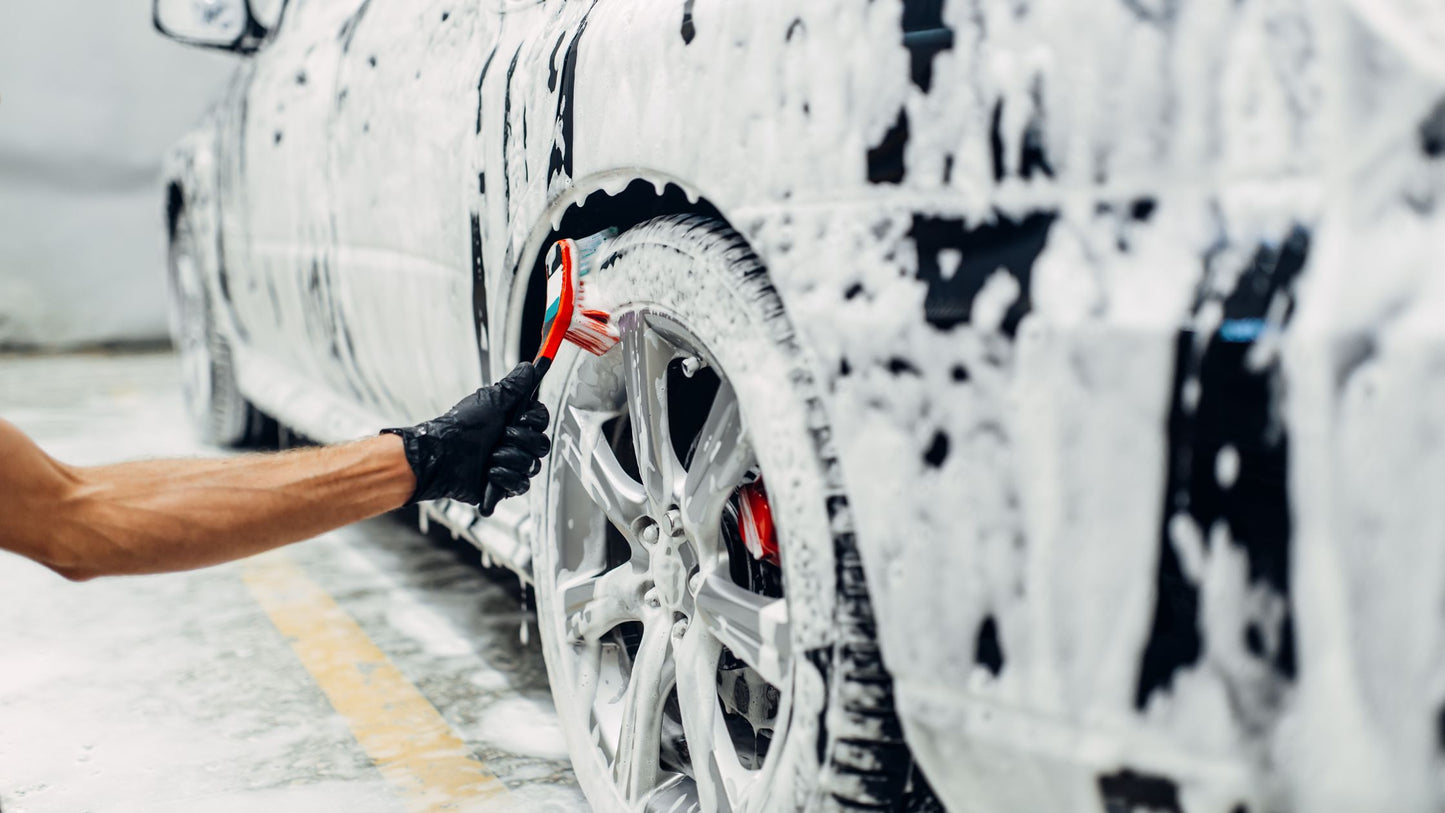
(1018, 405)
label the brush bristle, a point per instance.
(594, 293)
(587, 325)
(592, 334)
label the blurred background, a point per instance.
(90, 99)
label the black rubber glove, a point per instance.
(493, 433)
(518, 457)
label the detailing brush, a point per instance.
(568, 264)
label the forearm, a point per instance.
(166, 515)
(158, 516)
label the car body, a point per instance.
(1122, 315)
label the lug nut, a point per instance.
(691, 365)
(695, 583)
(651, 599)
(650, 534)
(673, 520)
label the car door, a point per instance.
(281, 237)
(405, 182)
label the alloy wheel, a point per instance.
(676, 643)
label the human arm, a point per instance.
(165, 515)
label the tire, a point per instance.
(685, 670)
(219, 412)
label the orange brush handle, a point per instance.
(562, 309)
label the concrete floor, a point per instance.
(401, 681)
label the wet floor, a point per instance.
(371, 669)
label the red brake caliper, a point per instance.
(755, 522)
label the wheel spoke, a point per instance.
(588, 679)
(754, 627)
(640, 743)
(697, 660)
(587, 452)
(722, 457)
(645, 356)
(673, 795)
(595, 605)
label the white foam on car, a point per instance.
(1238, 120)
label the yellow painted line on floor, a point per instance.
(414, 748)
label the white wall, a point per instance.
(90, 98)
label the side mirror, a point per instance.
(231, 25)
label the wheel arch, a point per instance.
(190, 184)
(175, 204)
(615, 199)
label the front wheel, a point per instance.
(707, 632)
(208, 381)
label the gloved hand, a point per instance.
(485, 448)
(518, 457)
